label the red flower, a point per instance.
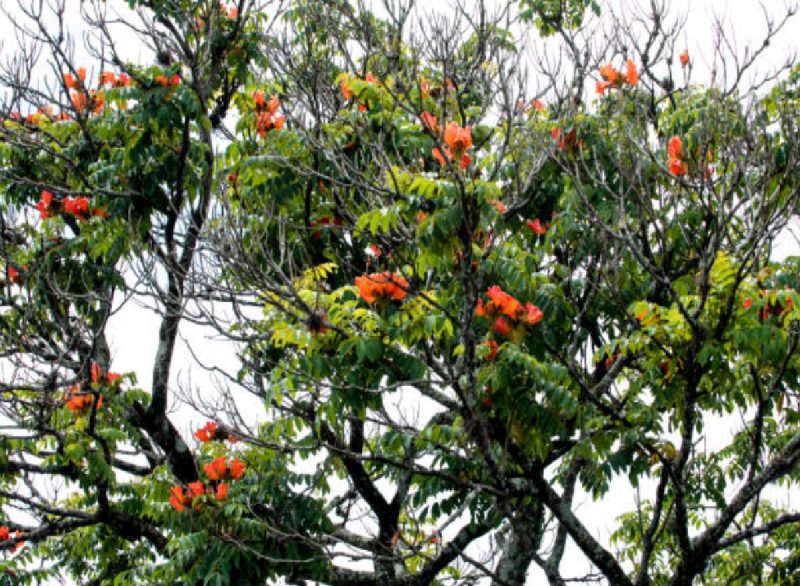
(216, 469)
(378, 286)
(537, 227)
(677, 167)
(178, 499)
(258, 100)
(206, 433)
(196, 489)
(78, 207)
(501, 326)
(236, 469)
(222, 491)
(533, 315)
(684, 58)
(78, 402)
(4, 533)
(675, 147)
(13, 275)
(748, 303)
(537, 104)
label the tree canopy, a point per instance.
(478, 263)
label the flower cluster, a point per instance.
(111, 79)
(677, 164)
(102, 379)
(211, 431)
(457, 139)
(612, 78)
(507, 313)
(380, 286)
(567, 141)
(172, 81)
(5, 535)
(218, 471)
(266, 110)
(14, 276)
(48, 206)
(79, 402)
(536, 226)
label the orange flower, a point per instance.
(236, 469)
(216, 469)
(748, 303)
(196, 489)
(206, 433)
(613, 78)
(45, 205)
(684, 57)
(379, 286)
(108, 78)
(347, 93)
(258, 100)
(677, 167)
(69, 81)
(5, 535)
(78, 207)
(13, 275)
(500, 302)
(601, 86)
(457, 138)
(178, 499)
(429, 122)
(537, 104)
(536, 226)
(675, 147)
(631, 73)
(499, 206)
(222, 491)
(267, 120)
(78, 402)
(437, 154)
(611, 75)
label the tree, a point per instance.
(466, 288)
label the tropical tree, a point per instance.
(468, 289)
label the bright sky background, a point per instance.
(134, 330)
